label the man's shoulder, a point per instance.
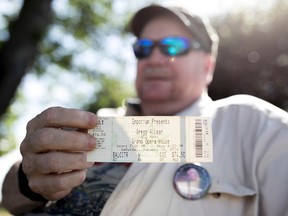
(250, 104)
(240, 100)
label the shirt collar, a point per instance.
(197, 108)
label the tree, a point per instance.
(81, 26)
(17, 54)
(253, 55)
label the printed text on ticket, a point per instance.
(152, 139)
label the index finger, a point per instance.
(59, 117)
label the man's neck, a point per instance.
(136, 108)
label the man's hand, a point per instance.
(54, 150)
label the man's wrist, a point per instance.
(25, 189)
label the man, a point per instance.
(176, 55)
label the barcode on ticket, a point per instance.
(152, 139)
(198, 138)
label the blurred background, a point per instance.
(77, 53)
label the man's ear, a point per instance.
(209, 68)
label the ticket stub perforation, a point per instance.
(152, 139)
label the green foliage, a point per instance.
(7, 123)
(78, 26)
(111, 95)
(7, 138)
(83, 25)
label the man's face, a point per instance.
(166, 85)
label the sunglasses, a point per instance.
(169, 46)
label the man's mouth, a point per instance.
(156, 78)
(157, 74)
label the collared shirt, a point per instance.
(249, 170)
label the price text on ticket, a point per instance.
(152, 139)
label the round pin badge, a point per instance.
(191, 181)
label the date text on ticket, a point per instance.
(152, 139)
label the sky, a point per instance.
(35, 98)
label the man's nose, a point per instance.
(157, 56)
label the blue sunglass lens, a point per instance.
(170, 46)
(174, 46)
(142, 48)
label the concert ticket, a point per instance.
(152, 139)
